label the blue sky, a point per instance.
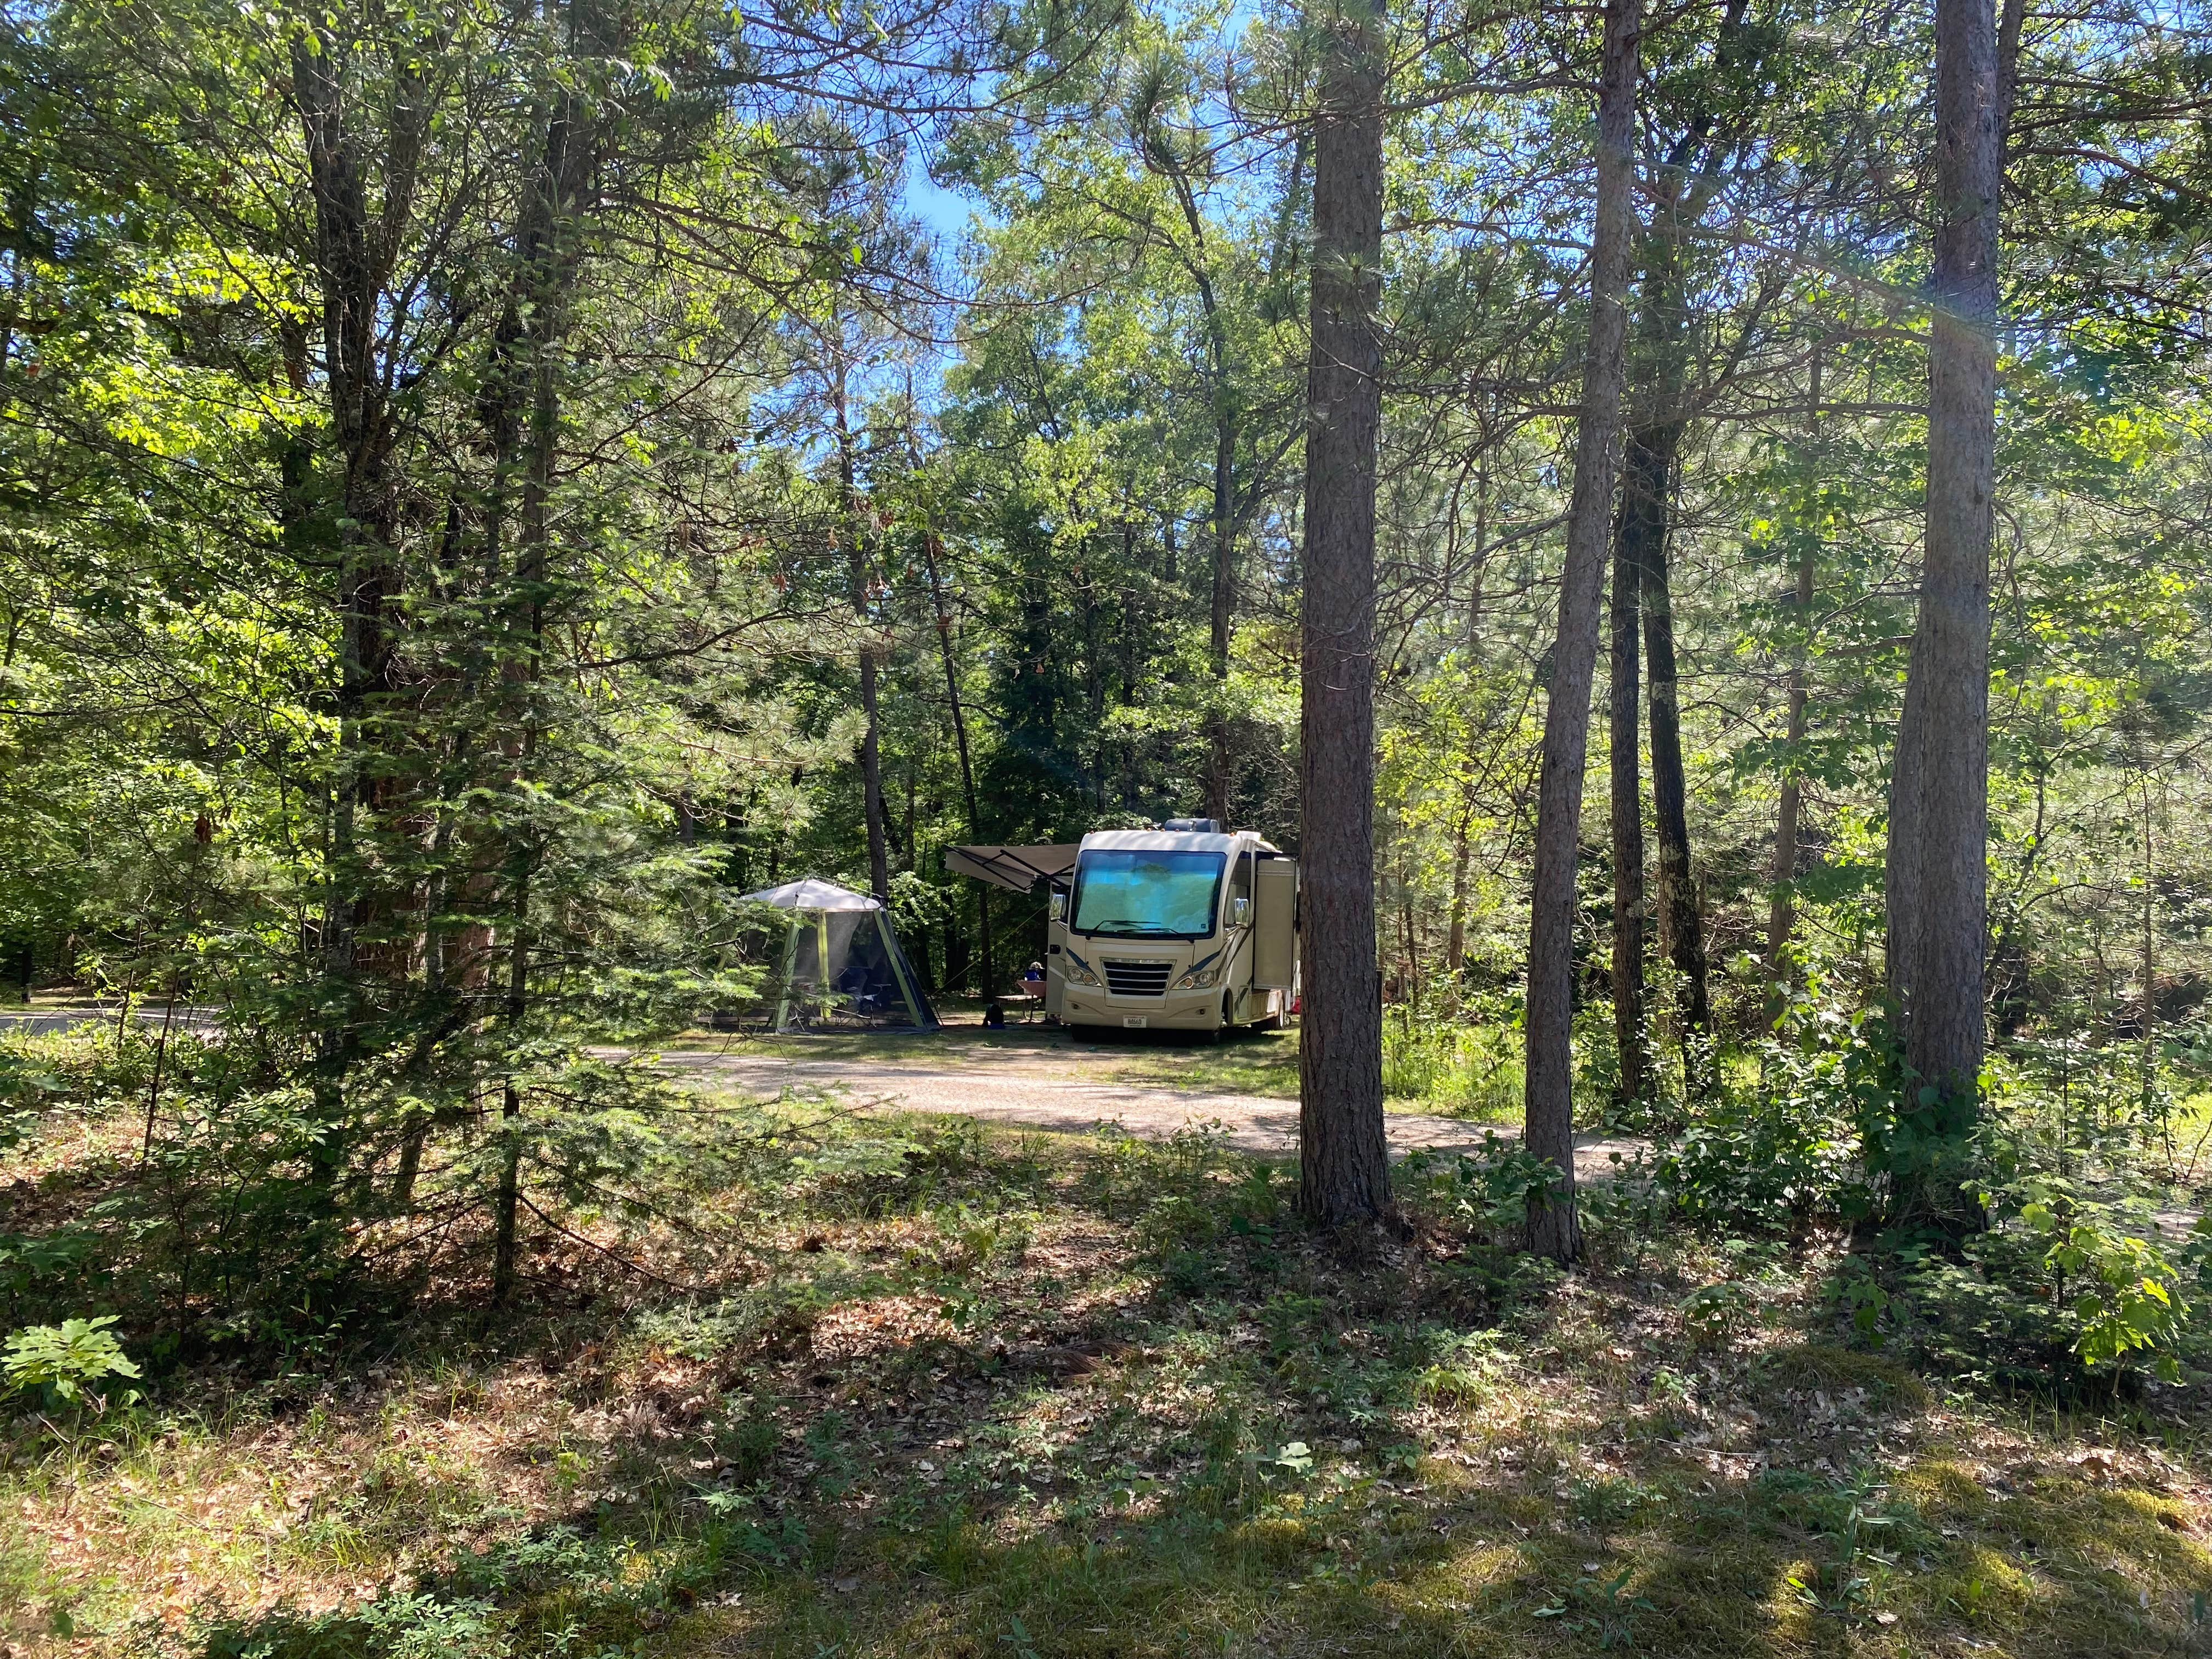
(943, 211)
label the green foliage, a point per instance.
(1718, 1310)
(2103, 1259)
(60, 1361)
(1857, 1519)
(1467, 1070)
(1786, 1146)
(1600, 1608)
(2065, 1291)
(420, 614)
(1466, 1372)
(1491, 1190)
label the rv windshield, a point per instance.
(1139, 893)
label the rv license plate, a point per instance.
(1134, 1020)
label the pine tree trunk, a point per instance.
(960, 744)
(1682, 929)
(550, 251)
(506, 1201)
(1631, 1041)
(1781, 914)
(871, 771)
(1455, 933)
(1224, 597)
(1553, 1228)
(1900, 874)
(1681, 187)
(350, 278)
(1941, 848)
(1344, 1167)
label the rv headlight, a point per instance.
(1200, 979)
(1075, 970)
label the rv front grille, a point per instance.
(1138, 979)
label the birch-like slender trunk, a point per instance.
(1682, 927)
(1782, 913)
(960, 742)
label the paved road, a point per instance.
(1041, 1095)
(42, 1021)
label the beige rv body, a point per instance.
(1241, 971)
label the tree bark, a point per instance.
(1553, 1227)
(351, 256)
(1462, 850)
(1681, 187)
(1681, 930)
(960, 745)
(506, 1201)
(1782, 913)
(549, 253)
(872, 773)
(1630, 1037)
(1224, 591)
(1939, 841)
(1344, 1167)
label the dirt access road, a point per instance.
(1038, 1078)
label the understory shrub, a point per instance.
(220, 1204)
(1786, 1147)
(2065, 1291)
(64, 1362)
(1488, 1191)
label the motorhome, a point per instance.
(1181, 928)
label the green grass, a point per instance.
(1464, 1070)
(1242, 1063)
(946, 1391)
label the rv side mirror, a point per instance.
(1058, 907)
(1240, 910)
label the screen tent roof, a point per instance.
(813, 894)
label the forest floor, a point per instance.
(926, 1386)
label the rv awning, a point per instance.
(1016, 868)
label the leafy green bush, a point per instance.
(1788, 1147)
(2064, 1289)
(1466, 1368)
(1718, 1310)
(2107, 1265)
(61, 1361)
(1489, 1190)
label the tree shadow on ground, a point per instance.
(1001, 1397)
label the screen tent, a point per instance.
(836, 965)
